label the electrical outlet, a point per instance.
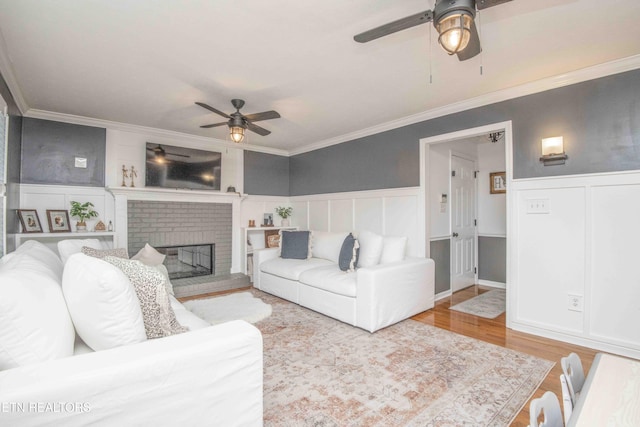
(575, 302)
(537, 206)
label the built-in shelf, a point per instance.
(247, 267)
(19, 238)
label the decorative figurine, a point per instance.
(133, 174)
(125, 174)
(100, 226)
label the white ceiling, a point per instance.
(146, 62)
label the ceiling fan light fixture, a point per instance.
(455, 31)
(236, 133)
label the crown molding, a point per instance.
(155, 132)
(554, 82)
(9, 76)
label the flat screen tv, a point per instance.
(178, 167)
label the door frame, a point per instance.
(466, 157)
(424, 204)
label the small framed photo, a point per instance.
(267, 220)
(58, 221)
(29, 221)
(271, 238)
(498, 182)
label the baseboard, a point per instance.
(492, 284)
(442, 295)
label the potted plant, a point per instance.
(82, 211)
(284, 213)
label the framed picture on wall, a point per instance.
(29, 221)
(58, 221)
(497, 182)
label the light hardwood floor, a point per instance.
(495, 332)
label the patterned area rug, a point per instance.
(237, 306)
(488, 305)
(321, 372)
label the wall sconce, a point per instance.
(553, 151)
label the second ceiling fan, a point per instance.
(453, 19)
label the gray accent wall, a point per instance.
(599, 119)
(492, 259)
(49, 150)
(266, 174)
(441, 255)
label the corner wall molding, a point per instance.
(6, 68)
(548, 83)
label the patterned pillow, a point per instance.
(101, 253)
(158, 316)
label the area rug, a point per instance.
(237, 306)
(488, 305)
(321, 372)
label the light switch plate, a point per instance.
(81, 162)
(537, 206)
(575, 302)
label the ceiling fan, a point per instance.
(161, 155)
(238, 122)
(453, 19)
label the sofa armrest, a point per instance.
(389, 293)
(260, 256)
(204, 377)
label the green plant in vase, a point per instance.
(82, 211)
(284, 213)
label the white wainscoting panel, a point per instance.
(318, 215)
(401, 219)
(341, 214)
(585, 246)
(615, 286)
(300, 216)
(368, 214)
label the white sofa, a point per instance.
(211, 375)
(380, 294)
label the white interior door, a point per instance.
(463, 229)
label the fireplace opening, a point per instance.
(189, 260)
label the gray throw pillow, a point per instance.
(349, 253)
(295, 244)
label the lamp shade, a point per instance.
(553, 145)
(236, 133)
(455, 31)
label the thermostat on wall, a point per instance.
(81, 162)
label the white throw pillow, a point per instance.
(327, 245)
(102, 303)
(34, 322)
(41, 259)
(149, 256)
(393, 250)
(370, 248)
(68, 247)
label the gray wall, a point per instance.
(440, 253)
(266, 174)
(492, 259)
(49, 150)
(599, 119)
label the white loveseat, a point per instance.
(211, 375)
(388, 289)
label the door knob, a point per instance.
(455, 234)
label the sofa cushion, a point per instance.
(295, 244)
(149, 256)
(68, 247)
(102, 303)
(327, 245)
(40, 259)
(292, 268)
(330, 278)
(157, 314)
(371, 245)
(185, 317)
(34, 322)
(393, 249)
(349, 254)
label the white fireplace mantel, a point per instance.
(123, 194)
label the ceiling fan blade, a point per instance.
(473, 48)
(210, 108)
(265, 115)
(484, 4)
(213, 125)
(395, 26)
(177, 155)
(257, 129)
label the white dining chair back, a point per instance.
(573, 372)
(567, 405)
(547, 406)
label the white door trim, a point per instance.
(424, 212)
